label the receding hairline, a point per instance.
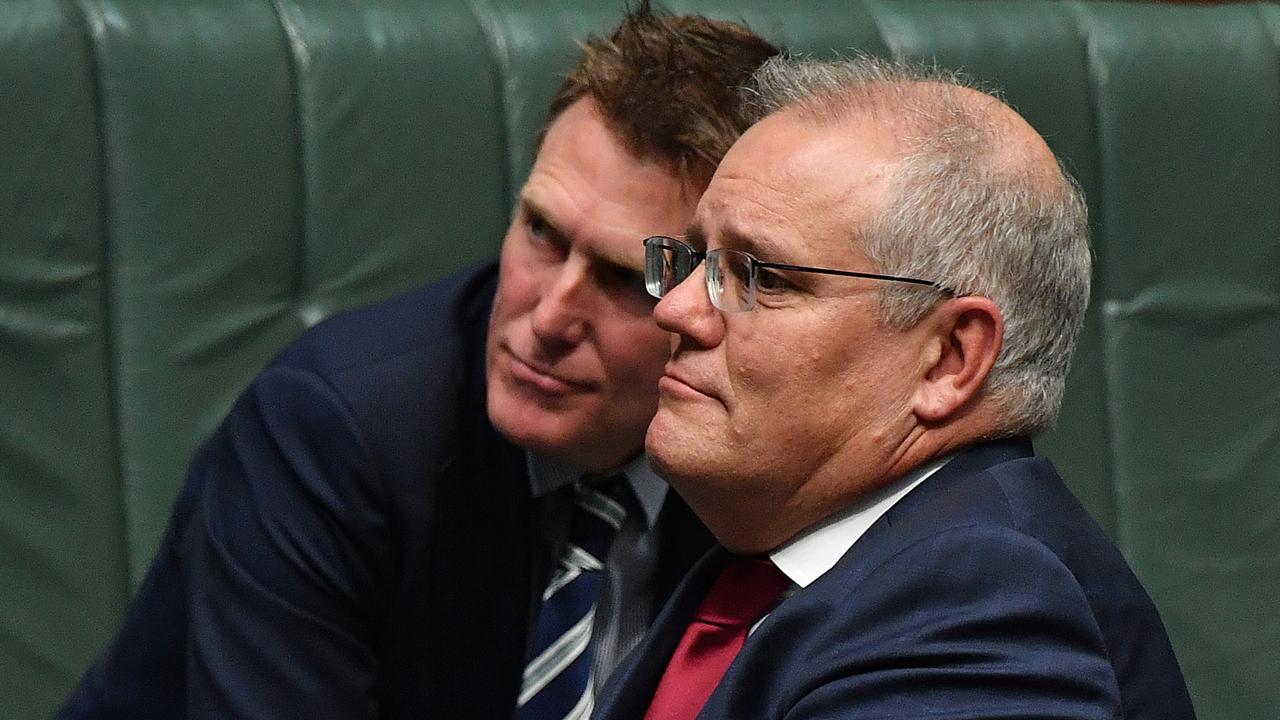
(911, 108)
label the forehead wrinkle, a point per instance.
(749, 222)
(574, 219)
(801, 191)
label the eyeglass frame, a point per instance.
(667, 242)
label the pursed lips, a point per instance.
(676, 381)
(542, 378)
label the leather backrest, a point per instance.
(184, 187)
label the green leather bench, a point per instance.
(187, 185)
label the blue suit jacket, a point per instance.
(986, 592)
(355, 541)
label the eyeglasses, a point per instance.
(733, 276)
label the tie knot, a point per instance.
(599, 509)
(607, 498)
(744, 590)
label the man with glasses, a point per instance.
(875, 306)
(437, 507)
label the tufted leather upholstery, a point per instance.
(185, 186)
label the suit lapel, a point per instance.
(919, 509)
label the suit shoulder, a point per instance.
(940, 626)
(446, 318)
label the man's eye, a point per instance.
(544, 238)
(538, 227)
(624, 279)
(770, 281)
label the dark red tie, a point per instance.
(740, 596)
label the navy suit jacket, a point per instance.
(986, 592)
(355, 541)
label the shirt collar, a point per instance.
(548, 474)
(814, 552)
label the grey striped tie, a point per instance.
(557, 676)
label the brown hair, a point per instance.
(667, 85)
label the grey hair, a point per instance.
(967, 211)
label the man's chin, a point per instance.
(539, 430)
(664, 443)
(532, 428)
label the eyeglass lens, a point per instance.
(730, 274)
(731, 280)
(666, 265)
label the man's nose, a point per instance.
(560, 317)
(686, 310)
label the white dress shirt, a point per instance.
(809, 555)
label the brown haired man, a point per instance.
(392, 521)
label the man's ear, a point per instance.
(963, 342)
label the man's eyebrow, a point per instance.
(529, 203)
(617, 261)
(731, 237)
(695, 237)
(735, 238)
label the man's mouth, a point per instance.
(675, 382)
(543, 379)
